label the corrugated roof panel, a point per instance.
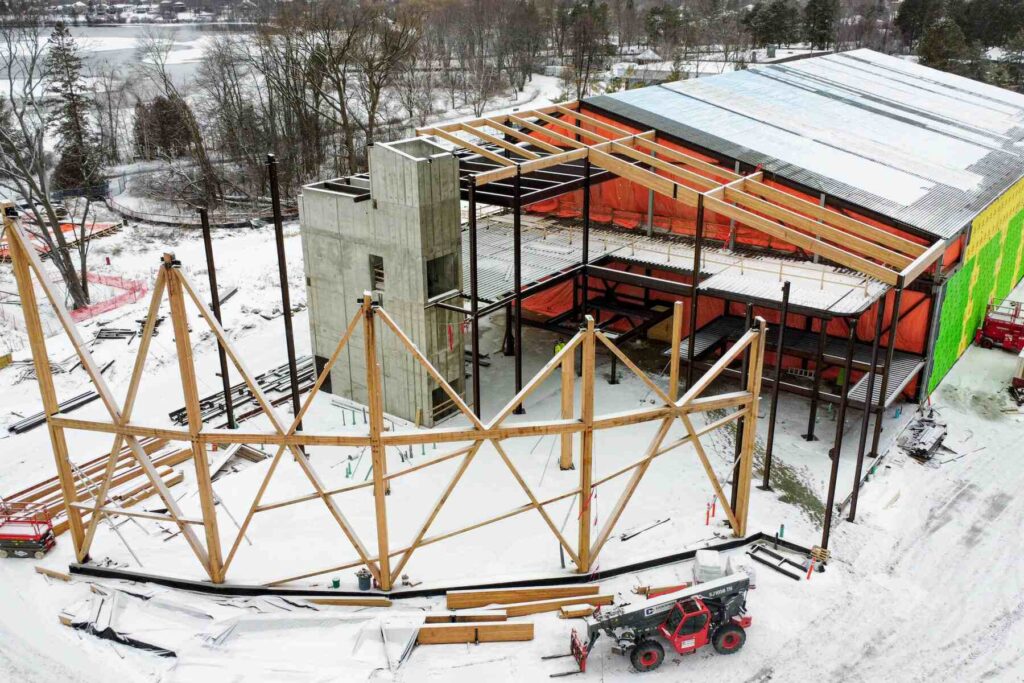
(920, 146)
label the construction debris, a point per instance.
(923, 437)
(575, 612)
(125, 489)
(776, 561)
(53, 574)
(33, 421)
(275, 383)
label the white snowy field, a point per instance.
(950, 530)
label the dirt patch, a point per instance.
(791, 484)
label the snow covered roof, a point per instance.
(917, 145)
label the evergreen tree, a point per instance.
(79, 160)
(915, 16)
(820, 22)
(945, 47)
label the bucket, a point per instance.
(364, 579)
(335, 582)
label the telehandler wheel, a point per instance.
(647, 655)
(729, 639)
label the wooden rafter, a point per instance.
(504, 144)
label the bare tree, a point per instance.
(24, 164)
(153, 51)
(111, 93)
(389, 40)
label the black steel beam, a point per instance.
(837, 447)
(773, 409)
(474, 303)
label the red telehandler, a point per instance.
(712, 612)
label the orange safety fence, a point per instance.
(132, 291)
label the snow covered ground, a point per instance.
(922, 532)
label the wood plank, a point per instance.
(521, 136)
(842, 238)
(475, 149)
(350, 602)
(596, 123)
(582, 132)
(694, 162)
(865, 230)
(511, 596)
(569, 612)
(444, 634)
(799, 239)
(504, 144)
(537, 128)
(923, 262)
(527, 608)
(53, 573)
(702, 182)
(467, 617)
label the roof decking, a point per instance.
(551, 247)
(920, 146)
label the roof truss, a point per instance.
(552, 142)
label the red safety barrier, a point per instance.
(133, 290)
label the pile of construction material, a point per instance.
(275, 384)
(312, 638)
(129, 485)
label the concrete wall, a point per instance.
(411, 217)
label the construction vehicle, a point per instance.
(711, 612)
(25, 530)
(1003, 327)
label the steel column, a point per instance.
(838, 443)
(474, 304)
(777, 380)
(518, 247)
(890, 351)
(868, 399)
(585, 287)
(695, 284)
(819, 366)
(211, 270)
(282, 269)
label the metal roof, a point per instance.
(917, 145)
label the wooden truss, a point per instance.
(562, 133)
(388, 562)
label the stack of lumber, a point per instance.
(481, 616)
(129, 484)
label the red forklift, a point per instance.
(1003, 327)
(25, 530)
(712, 612)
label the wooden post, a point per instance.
(41, 360)
(586, 447)
(186, 368)
(381, 486)
(746, 468)
(677, 340)
(568, 404)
